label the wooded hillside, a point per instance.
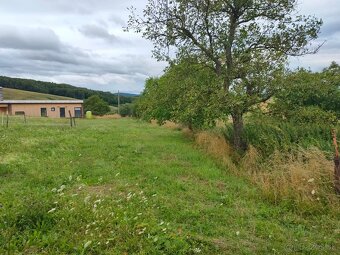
(64, 90)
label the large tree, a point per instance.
(245, 42)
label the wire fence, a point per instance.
(8, 121)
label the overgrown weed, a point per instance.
(302, 180)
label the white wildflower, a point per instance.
(141, 231)
(117, 174)
(70, 178)
(313, 192)
(62, 187)
(52, 210)
(54, 190)
(87, 199)
(87, 244)
(197, 250)
(237, 233)
(311, 180)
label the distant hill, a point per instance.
(64, 90)
(16, 94)
(128, 94)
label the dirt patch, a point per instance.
(111, 116)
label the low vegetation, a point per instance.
(128, 187)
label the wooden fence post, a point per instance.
(71, 122)
(336, 165)
(7, 120)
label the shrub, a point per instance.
(268, 134)
(127, 110)
(96, 105)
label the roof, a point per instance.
(41, 102)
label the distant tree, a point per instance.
(127, 110)
(96, 105)
(244, 42)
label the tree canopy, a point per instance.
(244, 42)
(187, 93)
(96, 105)
(310, 96)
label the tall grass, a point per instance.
(291, 164)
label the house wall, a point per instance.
(34, 110)
(3, 108)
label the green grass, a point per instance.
(127, 187)
(16, 94)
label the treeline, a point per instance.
(61, 90)
(189, 94)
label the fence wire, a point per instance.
(22, 120)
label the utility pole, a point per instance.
(336, 164)
(118, 102)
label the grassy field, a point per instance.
(127, 187)
(16, 94)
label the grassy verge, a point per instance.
(126, 187)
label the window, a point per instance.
(78, 112)
(53, 109)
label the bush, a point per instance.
(269, 134)
(96, 105)
(127, 110)
(313, 114)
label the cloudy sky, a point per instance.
(81, 42)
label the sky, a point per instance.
(82, 42)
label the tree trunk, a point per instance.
(238, 139)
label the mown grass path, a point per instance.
(127, 187)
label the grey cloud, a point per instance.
(28, 38)
(94, 31)
(117, 20)
(82, 7)
(72, 61)
(330, 28)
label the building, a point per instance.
(41, 108)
